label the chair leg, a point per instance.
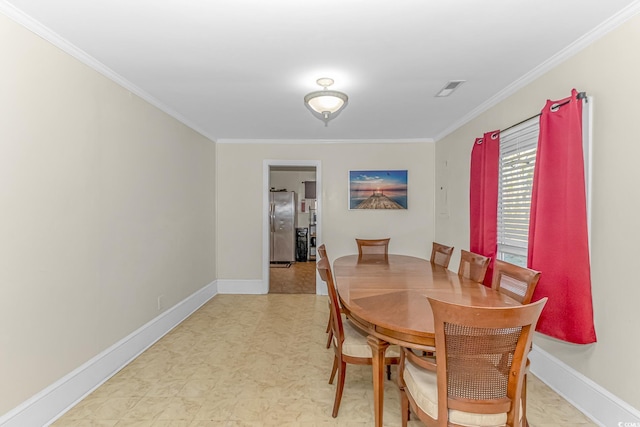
(404, 407)
(388, 372)
(328, 324)
(334, 369)
(525, 422)
(339, 387)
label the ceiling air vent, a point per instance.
(450, 87)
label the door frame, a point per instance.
(321, 287)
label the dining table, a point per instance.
(385, 295)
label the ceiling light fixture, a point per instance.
(325, 104)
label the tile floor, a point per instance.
(257, 360)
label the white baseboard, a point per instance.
(49, 404)
(229, 286)
(593, 400)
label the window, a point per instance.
(518, 147)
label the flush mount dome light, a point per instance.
(325, 104)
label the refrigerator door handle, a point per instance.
(272, 219)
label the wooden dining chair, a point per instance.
(349, 343)
(322, 252)
(441, 254)
(373, 246)
(514, 281)
(470, 383)
(519, 283)
(473, 266)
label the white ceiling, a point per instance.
(239, 69)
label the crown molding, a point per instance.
(324, 141)
(37, 28)
(578, 45)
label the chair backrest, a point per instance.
(514, 281)
(473, 266)
(482, 355)
(324, 269)
(373, 246)
(441, 254)
(322, 251)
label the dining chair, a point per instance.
(322, 252)
(470, 383)
(514, 281)
(519, 283)
(349, 343)
(441, 254)
(473, 266)
(373, 246)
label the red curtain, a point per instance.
(483, 198)
(558, 236)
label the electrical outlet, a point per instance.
(161, 303)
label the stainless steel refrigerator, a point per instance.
(283, 223)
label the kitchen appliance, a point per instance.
(283, 221)
(301, 244)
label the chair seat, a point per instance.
(423, 387)
(355, 343)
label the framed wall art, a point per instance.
(378, 189)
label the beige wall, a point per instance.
(106, 204)
(240, 185)
(608, 70)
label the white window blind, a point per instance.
(518, 148)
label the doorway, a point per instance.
(289, 258)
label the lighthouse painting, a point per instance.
(378, 189)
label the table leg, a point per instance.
(378, 349)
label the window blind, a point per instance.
(518, 148)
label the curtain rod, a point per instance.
(581, 95)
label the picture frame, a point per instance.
(378, 189)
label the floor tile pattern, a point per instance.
(257, 360)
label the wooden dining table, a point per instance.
(386, 296)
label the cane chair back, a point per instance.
(514, 281)
(441, 254)
(479, 370)
(473, 266)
